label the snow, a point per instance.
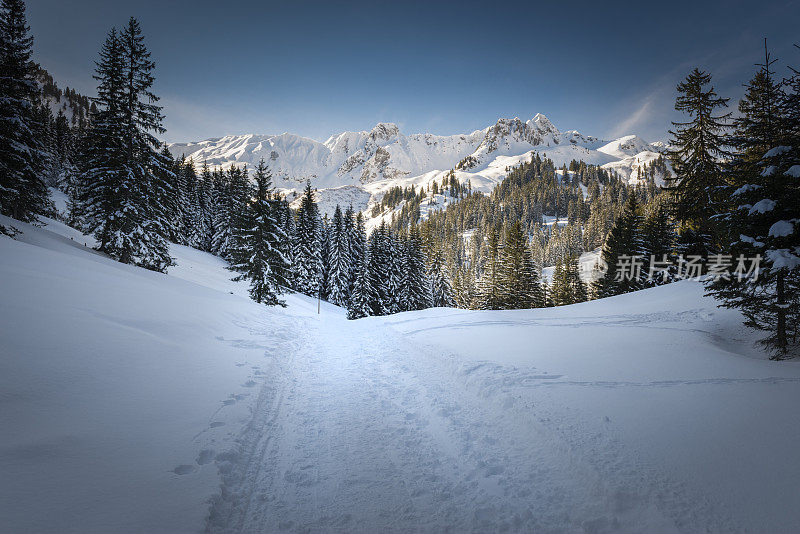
(120, 385)
(745, 189)
(128, 398)
(783, 258)
(794, 171)
(586, 267)
(752, 241)
(629, 145)
(762, 206)
(777, 151)
(781, 229)
(375, 161)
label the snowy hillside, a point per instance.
(377, 160)
(127, 397)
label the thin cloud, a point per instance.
(636, 119)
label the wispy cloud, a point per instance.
(635, 120)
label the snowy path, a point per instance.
(647, 412)
(374, 432)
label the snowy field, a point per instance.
(132, 401)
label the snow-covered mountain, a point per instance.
(376, 160)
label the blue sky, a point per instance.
(318, 68)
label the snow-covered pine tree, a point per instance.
(23, 193)
(441, 288)
(307, 253)
(287, 247)
(123, 185)
(324, 232)
(622, 244)
(416, 288)
(207, 208)
(697, 158)
(170, 198)
(489, 292)
(377, 270)
(399, 298)
(191, 215)
(763, 217)
(358, 303)
(255, 251)
(559, 290)
(519, 282)
(339, 260)
(232, 189)
(349, 223)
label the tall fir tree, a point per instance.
(358, 303)
(256, 250)
(762, 217)
(416, 287)
(697, 158)
(23, 193)
(339, 262)
(398, 289)
(307, 246)
(624, 271)
(519, 281)
(377, 270)
(232, 190)
(567, 286)
(441, 288)
(658, 244)
(489, 293)
(123, 186)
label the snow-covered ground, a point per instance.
(132, 401)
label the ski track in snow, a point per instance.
(364, 435)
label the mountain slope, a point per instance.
(383, 157)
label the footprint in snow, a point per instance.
(216, 424)
(205, 457)
(184, 469)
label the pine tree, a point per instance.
(416, 288)
(256, 248)
(697, 160)
(339, 261)
(398, 290)
(23, 193)
(576, 287)
(358, 302)
(232, 190)
(288, 248)
(762, 219)
(123, 185)
(519, 282)
(354, 244)
(307, 247)
(559, 293)
(441, 288)
(658, 244)
(623, 244)
(378, 271)
(489, 294)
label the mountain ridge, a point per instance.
(383, 157)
